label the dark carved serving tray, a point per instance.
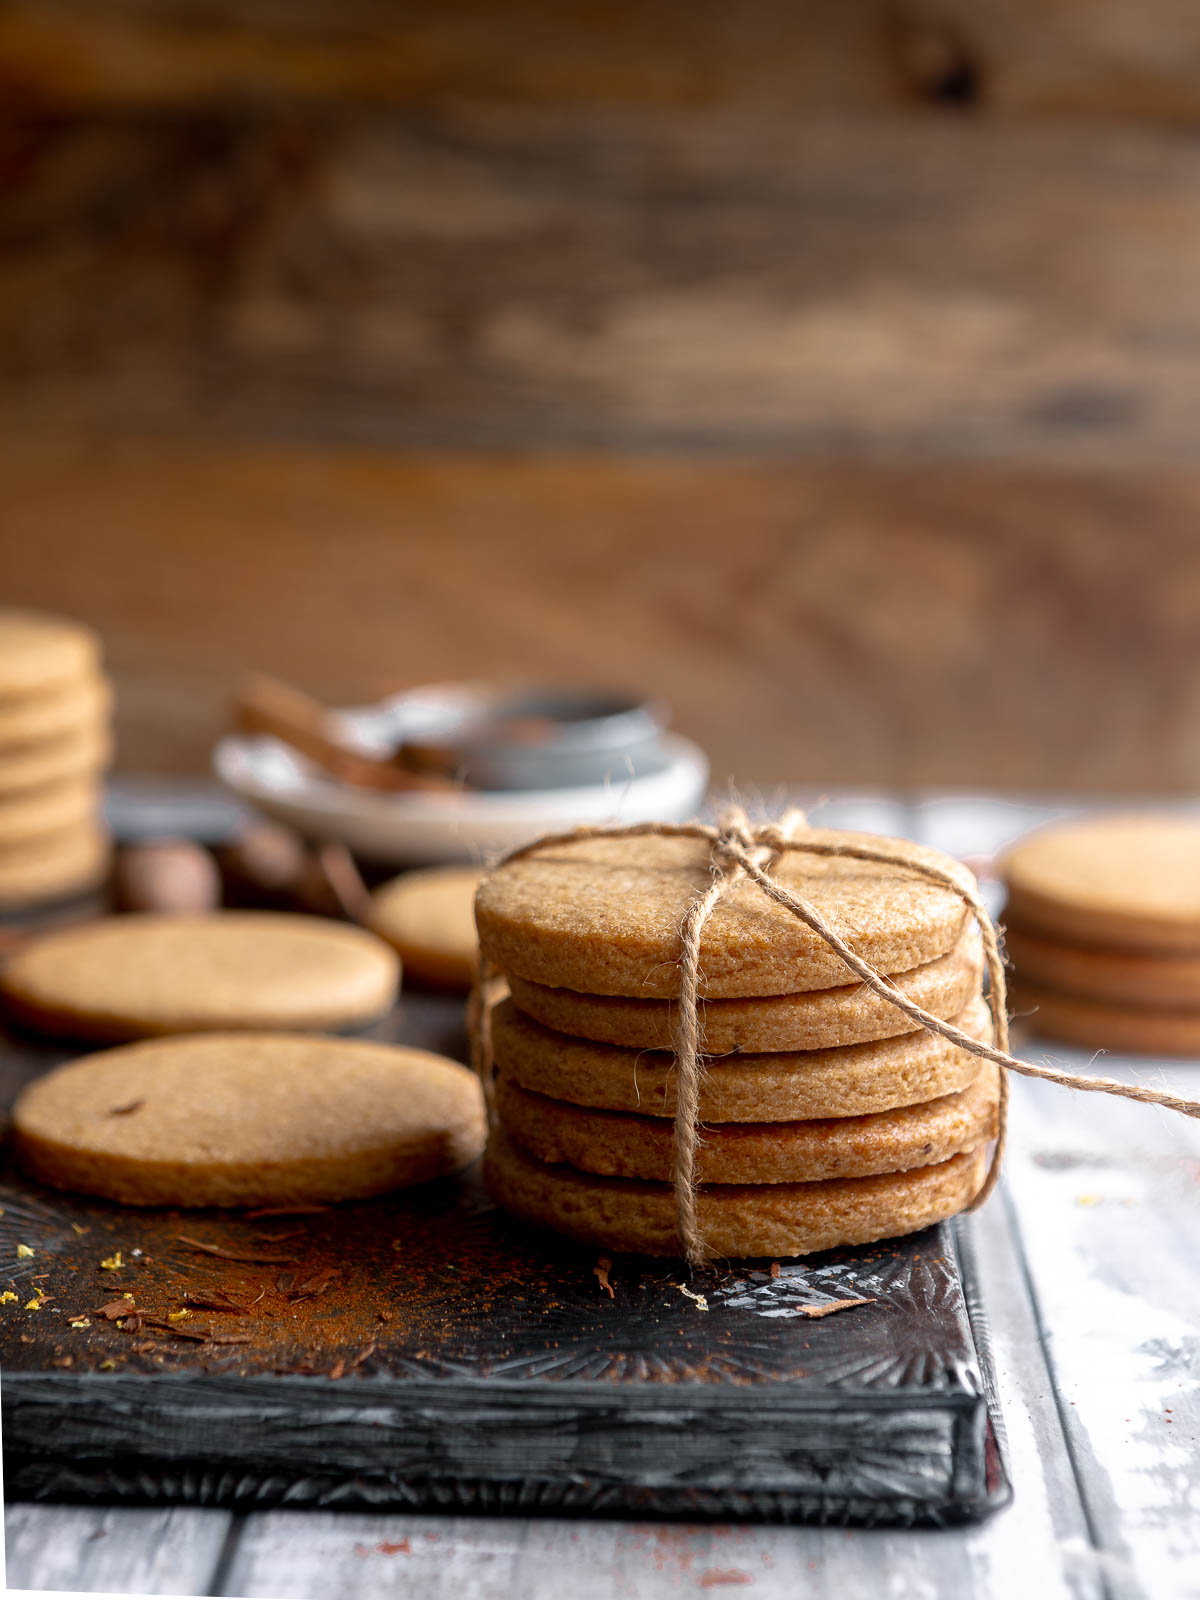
(425, 1350)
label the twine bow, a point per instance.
(740, 850)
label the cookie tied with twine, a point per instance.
(745, 859)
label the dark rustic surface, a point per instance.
(425, 1348)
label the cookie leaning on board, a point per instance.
(595, 925)
(248, 1119)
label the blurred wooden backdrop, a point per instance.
(834, 370)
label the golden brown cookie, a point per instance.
(73, 861)
(130, 976)
(429, 917)
(1110, 976)
(39, 651)
(620, 1145)
(848, 1081)
(238, 1119)
(603, 916)
(736, 1220)
(73, 708)
(817, 1020)
(1131, 1030)
(83, 753)
(1128, 881)
(56, 808)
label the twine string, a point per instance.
(688, 1030)
(741, 851)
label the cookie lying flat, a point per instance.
(849, 1081)
(55, 714)
(429, 917)
(73, 861)
(620, 1145)
(1132, 1030)
(39, 652)
(248, 1119)
(602, 916)
(1131, 882)
(1110, 976)
(737, 1220)
(52, 809)
(83, 753)
(130, 976)
(817, 1020)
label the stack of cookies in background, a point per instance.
(55, 740)
(826, 1118)
(1103, 932)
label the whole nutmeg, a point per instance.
(166, 875)
(263, 865)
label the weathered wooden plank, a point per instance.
(513, 278)
(1041, 1545)
(326, 1556)
(632, 51)
(1106, 1208)
(1066, 56)
(1069, 57)
(92, 1549)
(809, 625)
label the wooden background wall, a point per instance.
(834, 370)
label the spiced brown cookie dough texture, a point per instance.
(141, 974)
(55, 741)
(428, 917)
(1103, 931)
(602, 915)
(238, 1119)
(828, 1117)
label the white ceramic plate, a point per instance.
(465, 825)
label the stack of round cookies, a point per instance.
(1103, 931)
(826, 1117)
(55, 708)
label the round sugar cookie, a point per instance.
(429, 917)
(57, 712)
(620, 1145)
(816, 1020)
(73, 861)
(736, 1220)
(1131, 1030)
(131, 976)
(1110, 976)
(847, 1081)
(39, 651)
(82, 753)
(236, 1119)
(603, 916)
(1126, 881)
(55, 808)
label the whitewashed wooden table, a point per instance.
(1090, 1262)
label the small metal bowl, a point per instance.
(523, 738)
